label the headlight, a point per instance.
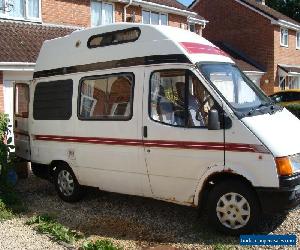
(295, 160)
(288, 165)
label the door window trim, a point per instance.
(188, 73)
(79, 97)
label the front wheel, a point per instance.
(67, 185)
(233, 207)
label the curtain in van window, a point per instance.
(33, 8)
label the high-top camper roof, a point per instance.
(118, 44)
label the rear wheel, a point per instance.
(233, 207)
(66, 184)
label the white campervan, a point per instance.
(159, 112)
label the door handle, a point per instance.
(145, 132)
(16, 123)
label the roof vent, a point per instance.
(263, 2)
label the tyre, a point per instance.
(66, 184)
(233, 207)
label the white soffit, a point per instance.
(16, 66)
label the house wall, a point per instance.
(1, 92)
(67, 12)
(243, 29)
(77, 13)
(284, 55)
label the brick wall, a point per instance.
(177, 21)
(284, 55)
(1, 93)
(77, 13)
(67, 12)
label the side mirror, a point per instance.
(213, 120)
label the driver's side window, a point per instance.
(200, 102)
(179, 99)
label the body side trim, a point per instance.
(237, 147)
(129, 62)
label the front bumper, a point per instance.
(282, 199)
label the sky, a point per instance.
(185, 2)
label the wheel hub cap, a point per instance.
(233, 210)
(65, 183)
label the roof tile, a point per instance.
(269, 11)
(21, 42)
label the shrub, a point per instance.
(7, 158)
(99, 245)
(295, 109)
(5, 212)
(47, 225)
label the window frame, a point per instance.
(159, 13)
(298, 40)
(113, 11)
(281, 38)
(188, 73)
(189, 27)
(93, 77)
(25, 17)
(15, 99)
(68, 115)
(112, 32)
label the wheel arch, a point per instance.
(215, 178)
(54, 164)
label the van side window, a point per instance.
(178, 102)
(53, 100)
(200, 102)
(21, 100)
(114, 38)
(106, 97)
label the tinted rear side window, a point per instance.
(295, 96)
(53, 100)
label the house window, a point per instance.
(284, 37)
(192, 27)
(155, 18)
(298, 40)
(101, 13)
(21, 9)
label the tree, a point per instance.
(291, 8)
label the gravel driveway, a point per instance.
(130, 222)
(15, 235)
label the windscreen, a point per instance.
(241, 94)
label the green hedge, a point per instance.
(295, 109)
(6, 157)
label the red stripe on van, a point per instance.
(236, 147)
(197, 48)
